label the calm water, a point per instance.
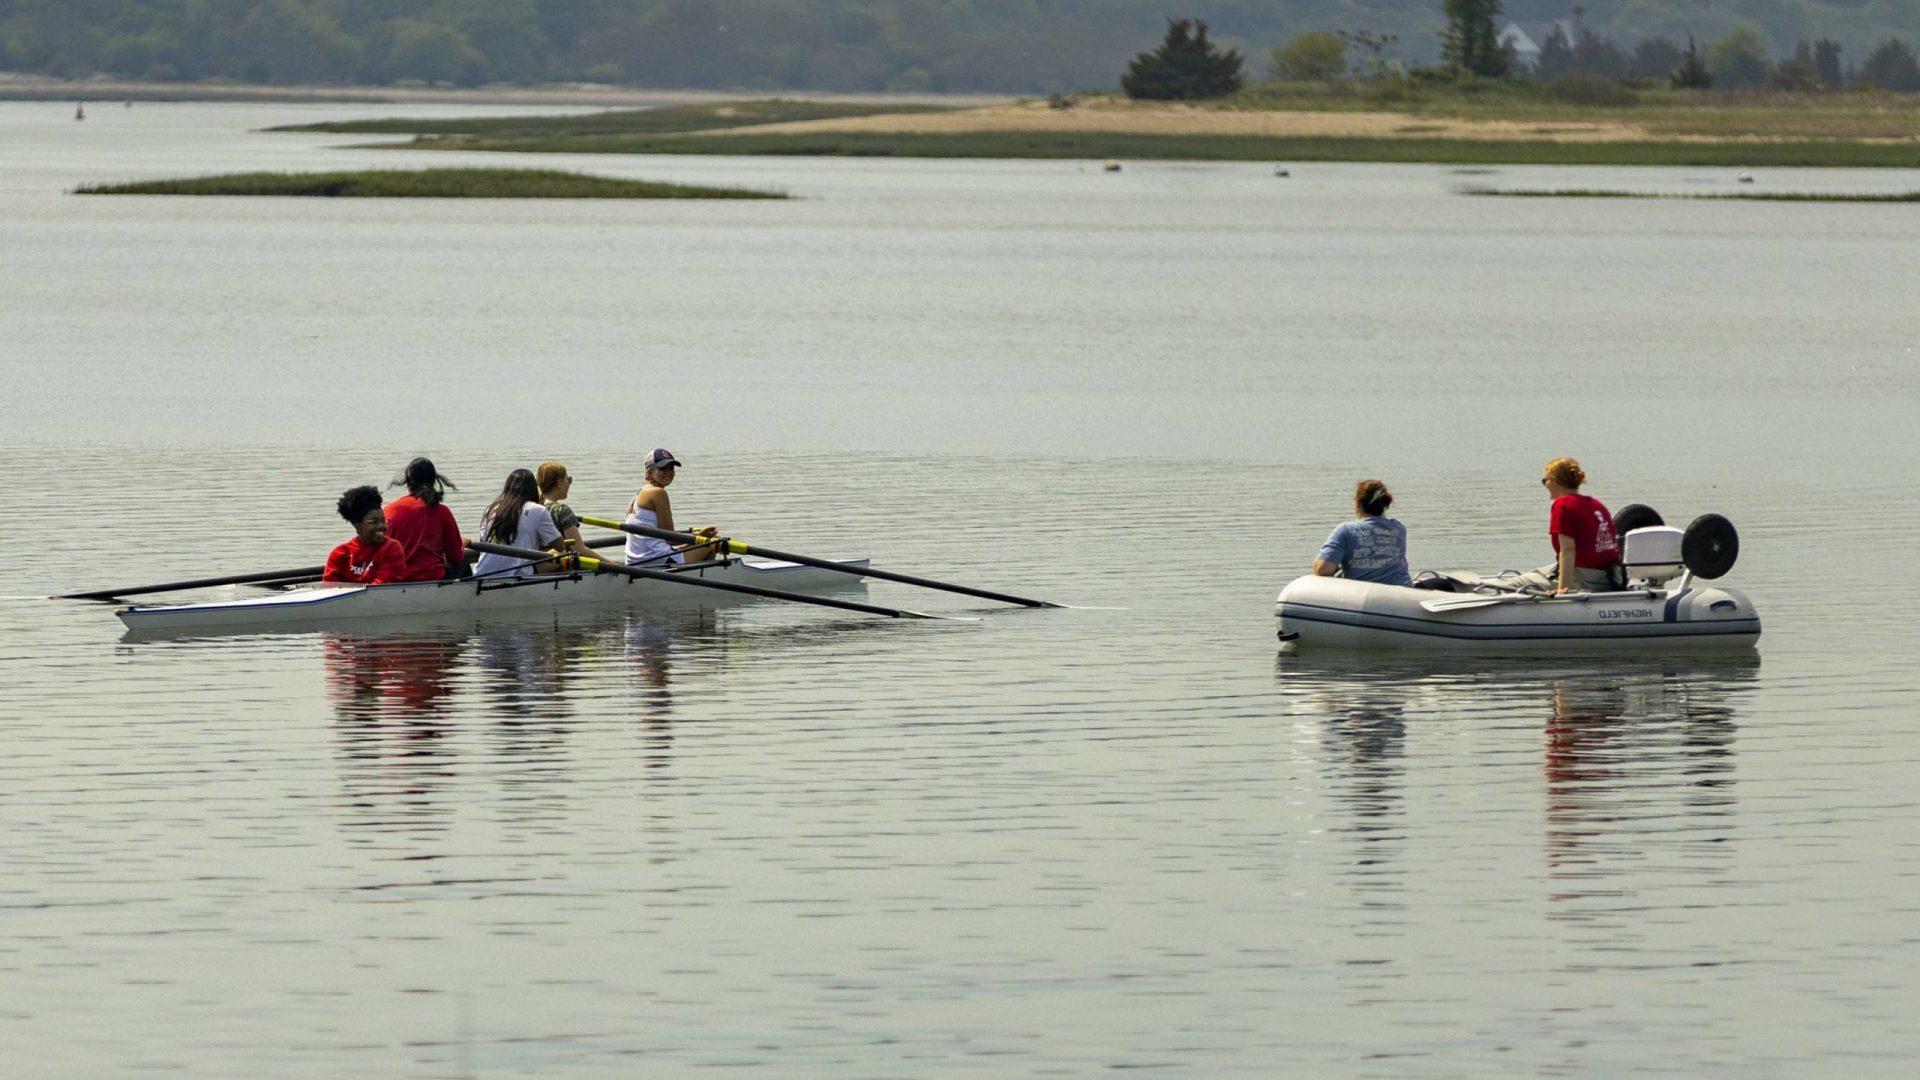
(797, 842)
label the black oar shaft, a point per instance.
(197, 583)
(824, 564)
(302, 576)
(704, 583)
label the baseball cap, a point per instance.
(661, 459)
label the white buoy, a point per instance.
(1111, 166)
(1746, 178)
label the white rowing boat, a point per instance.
(308, 608)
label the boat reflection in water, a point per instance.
(410, 703)
(1632, 762)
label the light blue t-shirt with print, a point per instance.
(1370, 549)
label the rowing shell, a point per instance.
(355, 604)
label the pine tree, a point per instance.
(1186, 67)
(1891, 67)
(1826, 58)
(1692, 74)
(1556, 56)
(1470, 43)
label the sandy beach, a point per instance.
(1169, 118)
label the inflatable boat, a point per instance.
(1668, 603)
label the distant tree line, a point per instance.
(935, 45)
(1474, 45)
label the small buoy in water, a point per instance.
(79, 112)
(1746, 178)
(129, 103)
(1281, 170)
(1111, 166)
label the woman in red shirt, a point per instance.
(369, 558)
(1581, 532)
(423, 526)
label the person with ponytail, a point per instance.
(421, 524)
(1372, 547)
(516, 519)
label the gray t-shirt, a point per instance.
(1370, 549)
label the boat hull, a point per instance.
(1336, 613)
(360, 605)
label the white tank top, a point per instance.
(647, 550)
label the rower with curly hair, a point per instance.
(369, 558)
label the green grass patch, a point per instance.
(1144, 147)
(661, 121)
(428, 184)
(1737, 196)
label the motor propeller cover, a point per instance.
(1711, 546)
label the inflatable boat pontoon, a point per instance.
(1668, 606)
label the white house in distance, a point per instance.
(1525, 40)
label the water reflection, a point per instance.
(511, 693)
(1363, 740)
(389, 697)
(1636, 760)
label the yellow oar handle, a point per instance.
(734, 547)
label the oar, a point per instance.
(703, 583)
(1463, 603)
(738, 548)
(285, 582)
(197, 583)
(265, 579)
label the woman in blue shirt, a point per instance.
(1372, 547)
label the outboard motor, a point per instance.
(1653, 554)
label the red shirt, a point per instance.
(1587, 521)
(427, 535)
(352, 563)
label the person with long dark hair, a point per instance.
(421, 524)
(516, 519)
(1372, 547)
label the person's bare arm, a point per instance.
(570, 536)
(1567, 549)
(663, 510)
(1323, 568)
